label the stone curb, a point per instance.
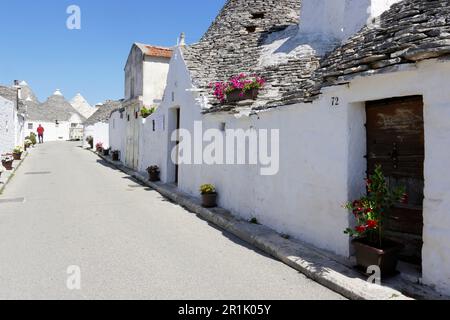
(296, 254)
(11, 173)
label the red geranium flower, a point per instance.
(361, 229)
(372, 224)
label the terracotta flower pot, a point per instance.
(8, 165)
(209, 200)
(115, 156)
(236, 95)
(154, 176)
(17, 156)
(385, 258)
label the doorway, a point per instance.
(174, 124)
(395, 140)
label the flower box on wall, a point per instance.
(238, 88)
(238, 95)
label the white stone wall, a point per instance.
(134, 74)
(100, 133)
(7, 128)
(155, 78)
(52, 131)
(117, 133)
(322, 162)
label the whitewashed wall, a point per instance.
(117, 133)
(52, 132)
(155, 78)
(322, 165)
(7, 130)
(100, 133)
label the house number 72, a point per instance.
(335, 101)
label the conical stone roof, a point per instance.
(80, 104)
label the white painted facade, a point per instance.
(145, 80)
(7, 126)
(322, 164)
(56, 132)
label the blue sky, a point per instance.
(36, 46)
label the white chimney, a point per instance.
(339, 19)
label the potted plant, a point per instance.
(17, 153)
(153, 173)
(90, 141)
(146, 112)
(1, 171)
(99, 147)
(106, 152)
(238, 88)
(33, 138)
(209, 195)
(115, 155)
(27, 143)
(7, 161)
(371, 245)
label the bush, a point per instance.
(33, 138)
(207, 189)
(146, 112)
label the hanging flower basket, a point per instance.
(238, 88)
(238, 95)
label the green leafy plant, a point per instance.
(33, 138)
(370, 211)
(146, 112)
(28, 142)
(207, 189)
(18, 150)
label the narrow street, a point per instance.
(65, 207)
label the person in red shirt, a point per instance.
(40, 131)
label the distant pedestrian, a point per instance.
(40, 131)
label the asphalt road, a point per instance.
(65, 207)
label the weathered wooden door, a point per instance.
(395, 140)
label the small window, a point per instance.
(154, 125)
(258, 15)
(136, 115)
(56, 124)
(30, 126)
(173, 96)
(73, 125)
(128, 117)
(251, 29)
(223, 126)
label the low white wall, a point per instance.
(117, 133)
(52, 131)
(100, 133)
(7, 129)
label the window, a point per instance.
(154, 125)
(128, 117)
(223, 126)
(57, 124)
(251, 29)
(30, 126)
(258, 15)
(73, 125)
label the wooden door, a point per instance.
(395, 140)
